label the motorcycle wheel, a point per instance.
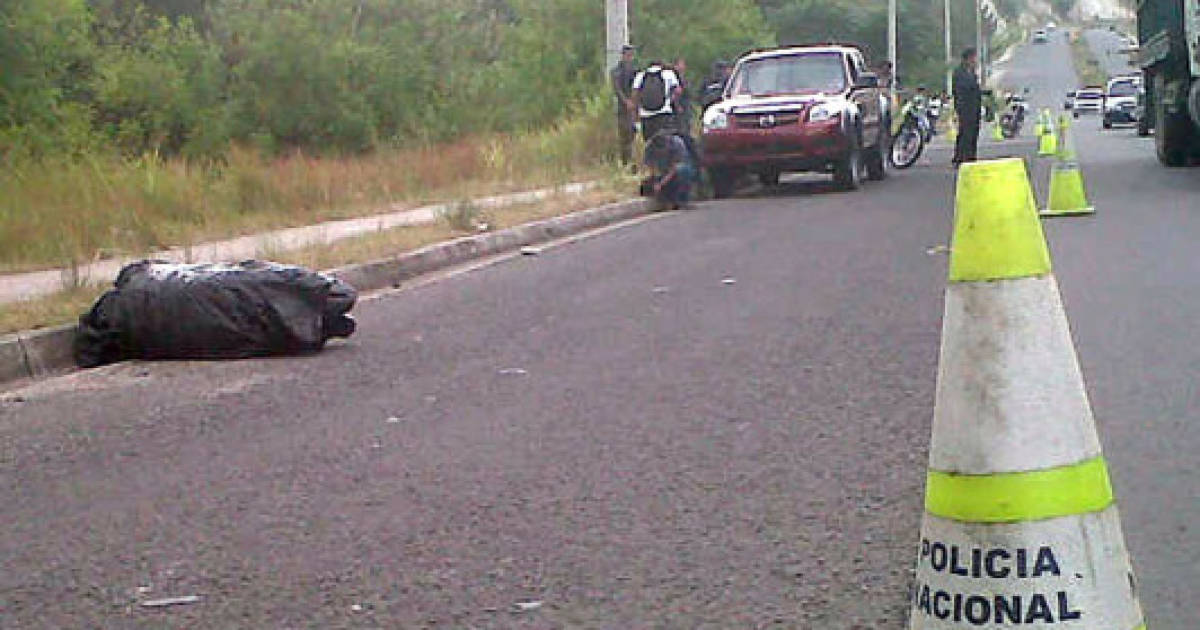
(907, 147)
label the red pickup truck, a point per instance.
(806, 108)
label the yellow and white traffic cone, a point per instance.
(1020, 526)
(1067, 194)
(1066, 150)
(1047, 141)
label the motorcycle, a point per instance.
(1013, 118)
(910, 138)
(934, 112)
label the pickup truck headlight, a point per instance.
(822, 112)
(715, 119)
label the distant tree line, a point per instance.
(921, 30)
(188, 77)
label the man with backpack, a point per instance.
(654, 90)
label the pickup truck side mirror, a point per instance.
(866, 80)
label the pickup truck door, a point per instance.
(868, 101)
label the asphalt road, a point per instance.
(709, 419)
(1107, 46)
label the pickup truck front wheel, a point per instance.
(722, 182)
(876, 157)
(847, 172)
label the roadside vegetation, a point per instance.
(61, 212)
(1087, 68)
(132, 125)
(79, 293)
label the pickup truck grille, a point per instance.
(766, 120)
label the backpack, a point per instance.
(654, 91)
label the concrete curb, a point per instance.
(36, 353)
(33, 354)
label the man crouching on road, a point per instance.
(671, 168)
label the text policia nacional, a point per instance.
(996, 564)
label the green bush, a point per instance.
(45, 55)
(191, 77)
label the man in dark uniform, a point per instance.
(684, 112)
(622, 84)
(968, 99)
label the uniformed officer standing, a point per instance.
(622, 83)
(968, 99)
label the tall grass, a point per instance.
(67, 212)
(1087, 67)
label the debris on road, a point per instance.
(171, 601)
(728, 281)
(514, 372)
(661, 289)
(356, 607)
(521, 607)
(938, 249)
(531, 251)
(393, 420)
(792, 571)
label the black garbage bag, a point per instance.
(161, 310)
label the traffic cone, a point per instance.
(1020, 526)
(1047, 145)
(1047, 140)
(1066, 150)
(1067, 194)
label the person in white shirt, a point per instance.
(655, 90)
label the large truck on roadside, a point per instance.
(1169, 55)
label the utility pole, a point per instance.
(616, 13)
(979, 41)
(949, 51)
(892, 45)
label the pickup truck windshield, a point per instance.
(1122, 89)
(791, 74)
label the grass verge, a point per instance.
(1087, 67)
(66, 306)
(1005, 40)
(68, 212)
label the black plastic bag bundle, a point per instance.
(161, 310)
